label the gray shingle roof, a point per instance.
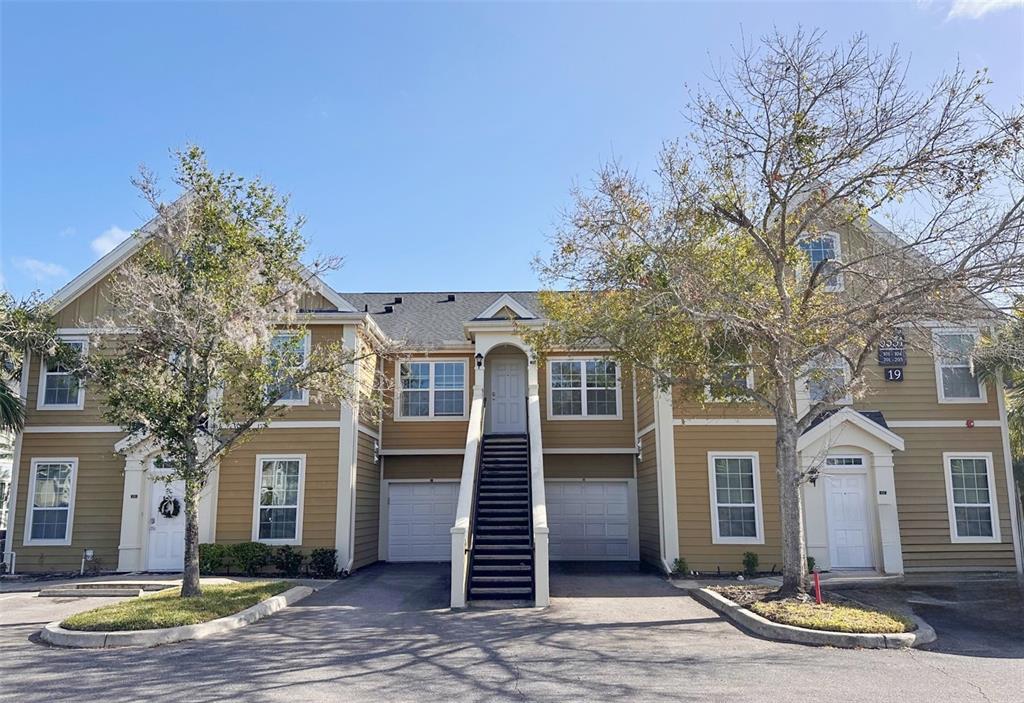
(429, 319)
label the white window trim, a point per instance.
(29, 499)
(430, 417)
(583, 389)
(937, 356)
(41, 396)
(716, 538)
(803, 392)
(837, 244)
(306, 346)
(260, 458)
(993, 499)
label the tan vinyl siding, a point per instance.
(99, 486)
(430, 433)
(90, 305)
(647, 503)
(367, 518)
(422, 467)
(692, 445)
(644, 402)
(91, 414)
(594, 466)
(921, 496)
(237, 481)
(588, 433)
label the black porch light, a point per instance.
(479, 360)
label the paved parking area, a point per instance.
(386, 634)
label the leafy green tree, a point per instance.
(727, 259)
(190, 355)
(1001, 360)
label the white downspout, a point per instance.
(541, 571)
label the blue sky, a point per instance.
(433, 145)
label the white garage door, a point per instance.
(589, 520)
(420, 519)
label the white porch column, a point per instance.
(541, 531)
(133, 516)
(347, 438)
(665, 451)
(888, 518)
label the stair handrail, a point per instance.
(462, 530)
(538, 501)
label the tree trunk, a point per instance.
(190, 579)
(791, 506)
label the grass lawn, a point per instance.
(837, 615)
(168, 609)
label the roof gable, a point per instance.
(506, 308)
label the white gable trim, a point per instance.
(834, 423)
(506, 300)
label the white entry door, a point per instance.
(507, 408)
(849, 534)
(166, 530)
(420, 519)
(589, 520)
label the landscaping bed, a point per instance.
(839, 614)
(168, 609)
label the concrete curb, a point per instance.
(54, 634)
(752, 622)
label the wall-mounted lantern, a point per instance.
(479, 360)
(376, 452)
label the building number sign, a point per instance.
(894, 375)
(893, 352)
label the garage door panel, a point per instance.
(589, 520)
(420, 518)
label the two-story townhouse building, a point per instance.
(499, 461)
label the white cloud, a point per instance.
(40, 270)
(108, 240)
(974, 9)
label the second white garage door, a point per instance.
(589, 520)
(420, 519)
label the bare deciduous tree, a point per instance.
(733, 249)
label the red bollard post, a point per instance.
(817, 586)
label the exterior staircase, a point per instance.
(501, 559)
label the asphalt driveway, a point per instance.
(386, 634)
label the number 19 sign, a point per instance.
(894, 375)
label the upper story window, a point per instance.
(954, 376)
(825, 250)
(584, 388)
(970, 495)
(733, 380)
(431, 389)
(52, 501)
(826, 379)
(59, 388)
(735, 483)
(286, 341)
(279, 492)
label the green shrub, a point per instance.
(323, 563)
(679, 566)
(810, 565)
(750, 562)
(214, 558)
(250, 557)
(288, 561)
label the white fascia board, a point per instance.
(833, 423)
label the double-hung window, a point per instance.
(584, 388)
(735, 483)
(51, 505)
(824, 251)
(733, 380)
(279, 491)
(59, 388)
(826, 380)
(432, 389)
(291, 350)
(970, 493)
(954, 376)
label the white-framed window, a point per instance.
(825, 378)
(954, 375)
(280, 487)
(431, 389)
(971, 497)
(59, 389)
(825, 249)
(51, 501)
(290, 394)
(844, 462)
(736, 513)
(734, 380)
(584, 389)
